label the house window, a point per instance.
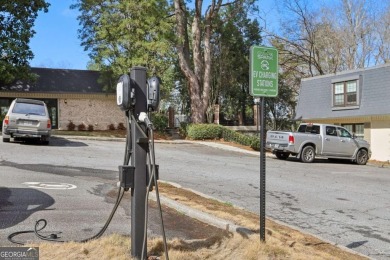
(345, 93)
(357, 129)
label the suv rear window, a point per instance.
(30, 109)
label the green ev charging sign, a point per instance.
(263, 71)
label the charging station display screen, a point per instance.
(123, 93)
(119, 93)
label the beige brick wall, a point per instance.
(97, 112)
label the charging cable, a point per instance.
(152, 177)
(54, 236)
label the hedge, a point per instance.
(160, 122)
(216, 132)
(204, 131)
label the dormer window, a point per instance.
(345, 93)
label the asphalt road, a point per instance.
(341, 202)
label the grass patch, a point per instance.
(281, 242)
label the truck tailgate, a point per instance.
(278, 137)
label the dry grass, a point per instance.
(281, 242)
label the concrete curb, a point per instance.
(201, 216)
(230, 226)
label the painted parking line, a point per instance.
(50, 185)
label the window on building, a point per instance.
(345, 93)
(357, 129)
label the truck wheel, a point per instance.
(308, 154)
(282, 155)
(362, 157)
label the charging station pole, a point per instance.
(138, 160)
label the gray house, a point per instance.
(71, 95)
(359, 100)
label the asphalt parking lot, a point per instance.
(340, 202)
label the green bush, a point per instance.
(211, 131)
(204, 131)
(233, 136)
(160, 122)
(183, 129)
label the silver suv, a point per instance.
(27, 118)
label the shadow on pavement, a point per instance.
(54, 141)
(318, 160)
(17, 204)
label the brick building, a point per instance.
(71, 95)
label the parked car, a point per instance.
(27, 119)
(311, 140)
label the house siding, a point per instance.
(373, 108)
(315, 98)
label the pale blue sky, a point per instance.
(56, 43)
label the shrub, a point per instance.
(70, 126)
(204, 131)
(90, 128)
(111, 127)
(233, 136)
(183, 129)
(160, 121)
(121, 126)
(81, 127)
(212, 131)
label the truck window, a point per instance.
(344, 132)
(331, 130)
(302, 129)
(313, 129)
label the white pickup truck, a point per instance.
(311, 140)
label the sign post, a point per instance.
(263, 83)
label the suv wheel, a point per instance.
(6, 140)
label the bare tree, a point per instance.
(303, 42)
(357, 33)
(194, 48)
(383, 36)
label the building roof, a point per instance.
(315, 97)
(59, 81)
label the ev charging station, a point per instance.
(137, 96)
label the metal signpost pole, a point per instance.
(263, 80)
(262, 170)
(138, 160)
